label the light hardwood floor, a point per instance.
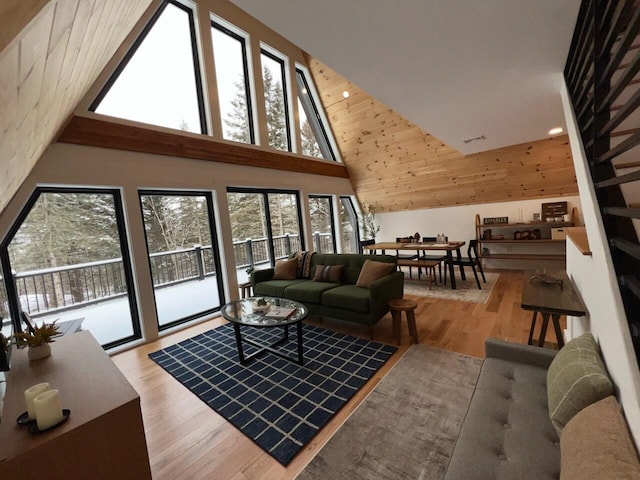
(188, 440)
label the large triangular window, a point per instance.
(158, 82)
(316, 138)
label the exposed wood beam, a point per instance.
(107, 134)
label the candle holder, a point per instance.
(33, 426)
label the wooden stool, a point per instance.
(397, 307)
(245, 288)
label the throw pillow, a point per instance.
(304, 263)
(285, 269)
(326, 273)
(372, 271)
(596, 444)
(576, 378)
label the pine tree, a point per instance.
(276, 114)
(237, 121)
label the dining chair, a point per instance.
(364, 243)
(437, 257)
(404, 256)
(472, 260)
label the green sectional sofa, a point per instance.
(344, 300)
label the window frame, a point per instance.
(202, 109)
(283, 60)
(5, 262)
(320, 116)
(331, 216)
(354, 214)
(265, 193)
(234, 32)
(220, 277)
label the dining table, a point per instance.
(448, 247)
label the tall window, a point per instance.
(322, 227)
(159, 82)
(232, 74)
(265, 226)
(183, 255)
(275, 97)
(70, 259)
(315, 137)
(350, 238)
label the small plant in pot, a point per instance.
(38, 340)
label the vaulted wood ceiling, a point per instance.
(395, 165)
(51, 52)
(55, 50)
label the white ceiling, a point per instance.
(456, 68)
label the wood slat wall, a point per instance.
(389, 158)
(45, 69)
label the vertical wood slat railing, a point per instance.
(602, 70)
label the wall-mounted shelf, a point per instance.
(548, 247)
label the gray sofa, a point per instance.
(507, 432)
(536, 412)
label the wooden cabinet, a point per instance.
(103, 438)
(521, 241)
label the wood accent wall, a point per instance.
(108, 134)
(45, 69)
(396, 166)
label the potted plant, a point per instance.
(368, 222)
(38, 341)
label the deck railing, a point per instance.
(61, 288)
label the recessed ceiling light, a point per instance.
(345, 94)
(555, 131)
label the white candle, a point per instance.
(31, 393)
(48, 409)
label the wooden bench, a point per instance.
(428, 265)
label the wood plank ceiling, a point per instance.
(50, 54)
(394, 165)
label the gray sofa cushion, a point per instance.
(507, 433)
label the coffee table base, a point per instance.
(270, 347)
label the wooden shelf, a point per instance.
(530, 224)
(540, 240)
(523, 256)
(529, 250)
(578, 235)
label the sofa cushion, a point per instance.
(326, 273)
(347, 297)
(308, 291)
(576, 378)
(507, 433)
(286, 269)
(273, 288)
(596, 444)
(372, 271)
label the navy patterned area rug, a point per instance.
(279, 404)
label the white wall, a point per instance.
(458, 223)
(596, 281)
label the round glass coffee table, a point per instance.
(280, 312)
